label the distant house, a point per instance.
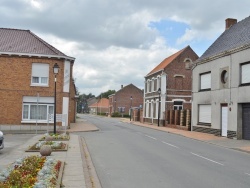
(27, 80)
(100, 107)
(128, 97)
(221, 84)
(169, 85)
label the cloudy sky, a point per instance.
(117, 42)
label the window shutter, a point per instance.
(205, 81)
(245, 73)
(204, 113)
(40, 70)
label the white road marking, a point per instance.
(150, 137)
(170, 144)
(207, 159)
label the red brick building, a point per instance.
(27, 80)
(99, 107)
(169, 85)
(127, 97)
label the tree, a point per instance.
(106, 94)
(82, 103)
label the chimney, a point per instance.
(230, 22)
(121, 86)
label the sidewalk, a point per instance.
(73, 174)
(241, 145)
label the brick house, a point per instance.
(126, 98)
(221, 84)
(169, 85)
(99, 107)
(27, 80)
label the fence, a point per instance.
(178, 119)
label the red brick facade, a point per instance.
(122, 98)
(173, 77)
(15, 83)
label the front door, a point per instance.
(246, 121)
(224, 118)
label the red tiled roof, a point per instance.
(101, 103)
(24, 41)
(166, 62)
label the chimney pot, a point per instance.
(230, 22)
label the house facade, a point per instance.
(168, 86)
(127, 98)
(221, 84)
(27, 81)
(101, 106)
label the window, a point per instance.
(40, 74)
(37, 108)
(205, 113)
(245, 74)
(178, 105)
(205, 81)
(37, 112)
(148, 86)
(224, 76)
(152, 84)
(158, 82)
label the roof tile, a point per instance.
(24, 41)
(236, 36)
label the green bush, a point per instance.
(116, 114)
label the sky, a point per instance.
(119, 42)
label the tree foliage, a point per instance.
(106, 94)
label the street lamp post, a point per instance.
(55, 70)
(130, 106)
(159, 92)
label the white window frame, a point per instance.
(148, 86)
(40, 71)
(158, 82)
(152, 84)
(205, 81)
(245, 74)
(204, 114)
(29, 120)
(147, 109)
(178, 106)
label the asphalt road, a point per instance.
(12, 141)
(126, 155)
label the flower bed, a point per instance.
(56, 137)
(32, 171)
(55, 145)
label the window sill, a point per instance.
(40, 121)
(38, 85)
(201, 90)
(246, 84)
(204, 124)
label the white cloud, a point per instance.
(111, 40)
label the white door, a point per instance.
(224, 117)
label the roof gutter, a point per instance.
(153, 73)
(38, 55)
(222, 54)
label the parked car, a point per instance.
(1, 140)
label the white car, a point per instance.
(1, 140)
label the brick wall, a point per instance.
(15, 81)
(179, 79)
(123, 98)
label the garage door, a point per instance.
(246, 121)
